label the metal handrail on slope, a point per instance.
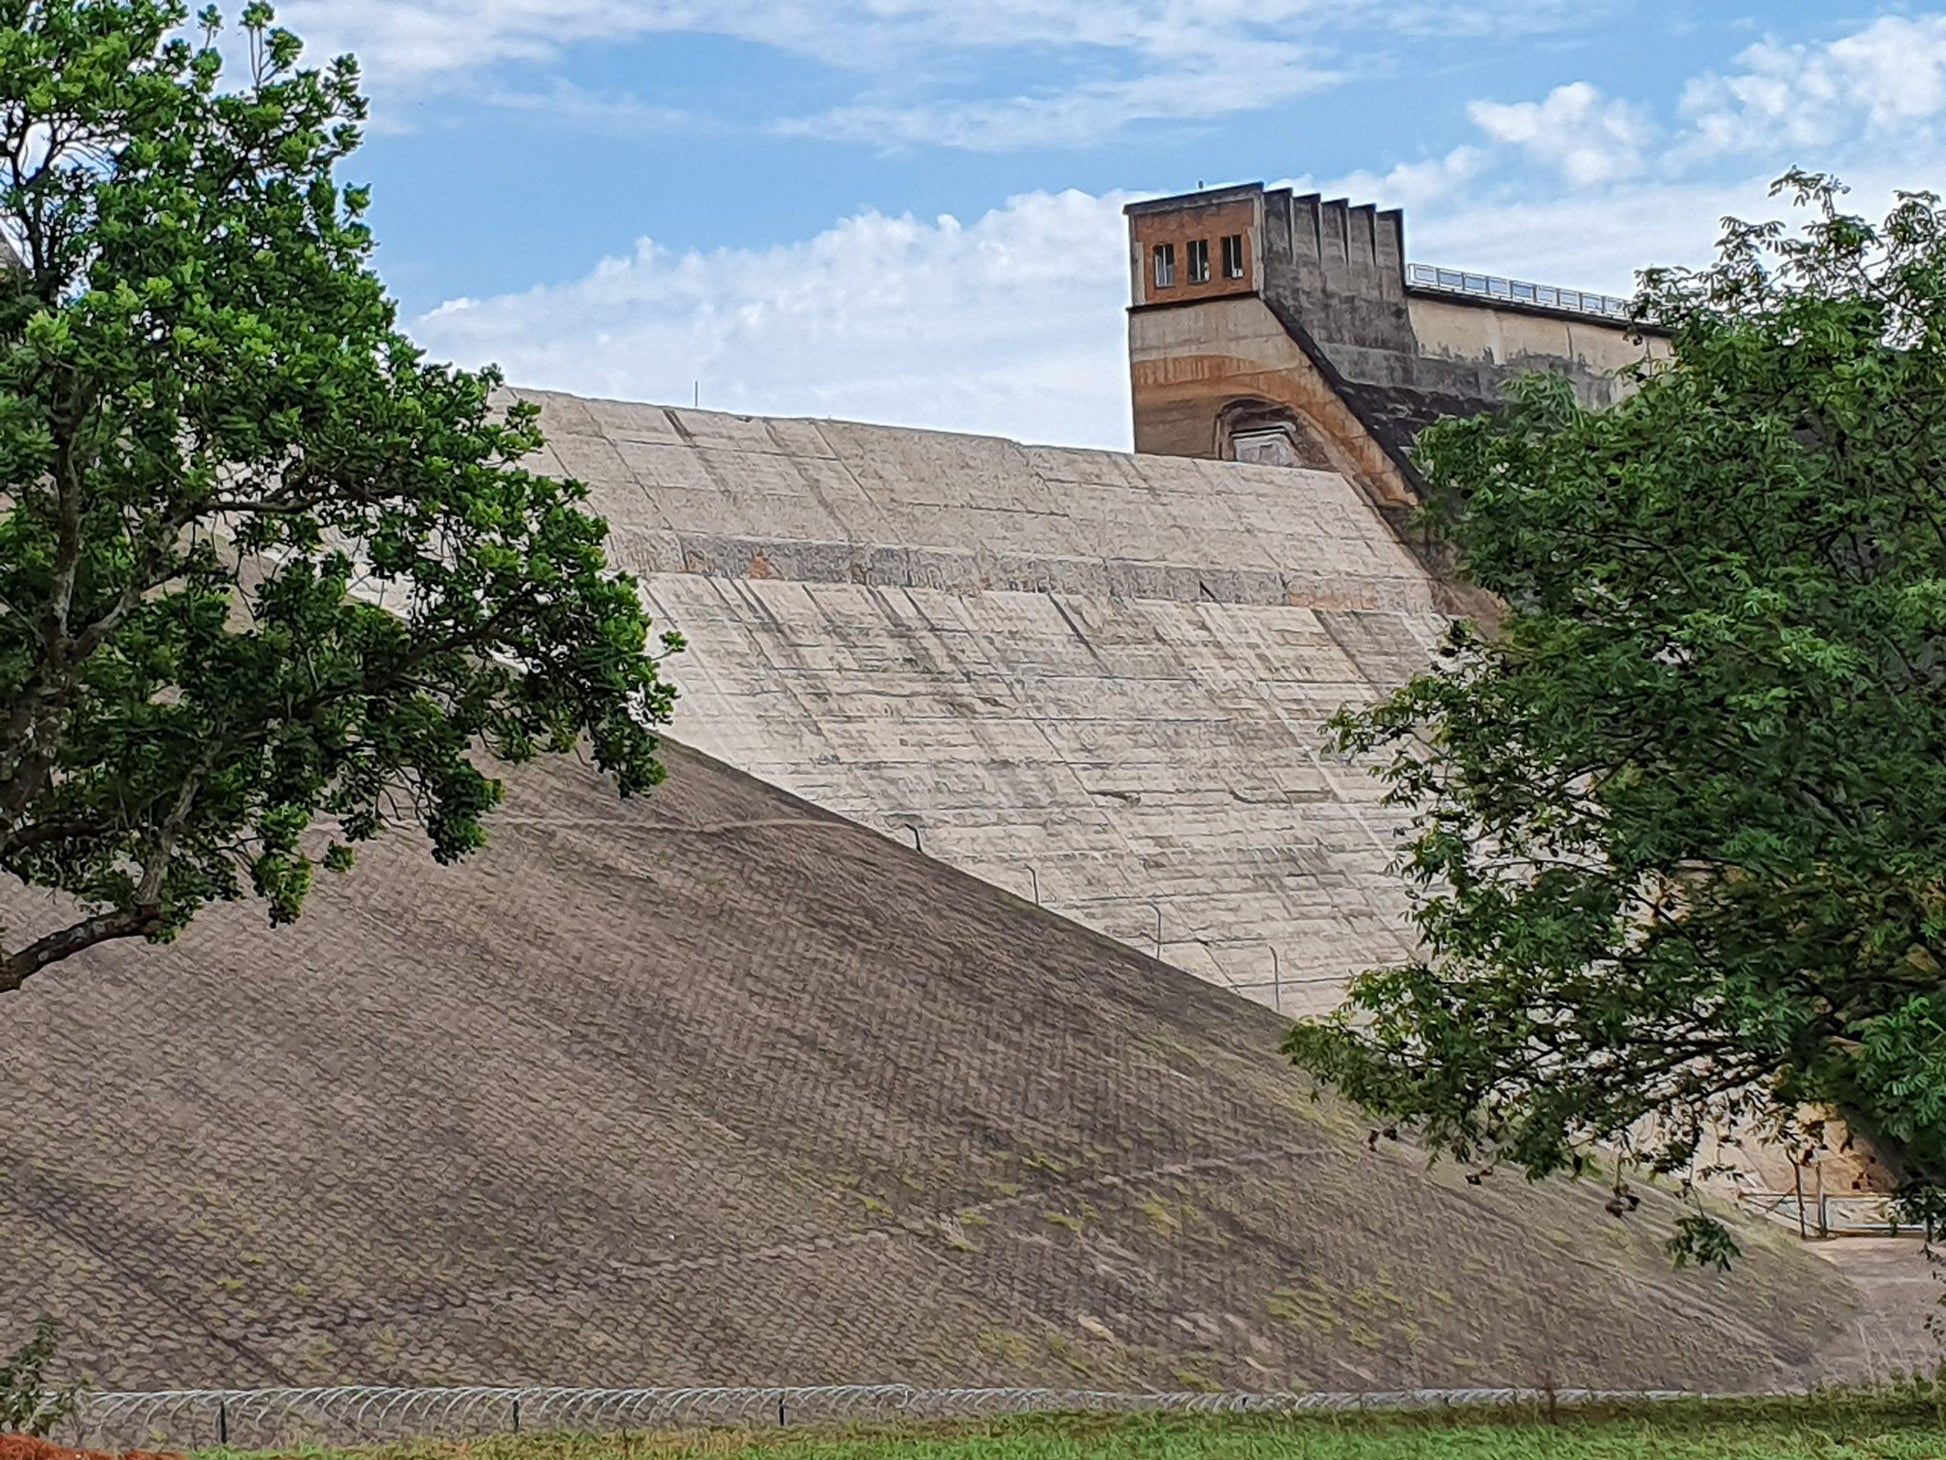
(1820, 1215)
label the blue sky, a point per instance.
(909, 210)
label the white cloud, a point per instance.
(1217, 84)
(428, 37)
(1010, 324)
(1644, 190)
(561, 100)
(1115, 61)
(1590, 138)
(1887, 80)
(1584, 240)
(1423, 184)
(1013, 323)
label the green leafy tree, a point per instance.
(270, 582)
(29, 1405)
(1680, 848)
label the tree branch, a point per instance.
(142, 917)
(41, 833)
(17, 968)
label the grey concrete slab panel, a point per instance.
(621, 420)
(1102, 673)
(560, 413)
(594, 460)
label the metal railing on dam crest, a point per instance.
(1515, 291)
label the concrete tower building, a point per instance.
(1290, 330)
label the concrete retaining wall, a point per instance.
(1099, 674)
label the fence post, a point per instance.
(222, 1421)
(516, 1416)
(1158, 930)
(1037, 885)
(1276, 981)
(1797, 1175)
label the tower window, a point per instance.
(1233, 256)
(1199, 261)
(1165, 265)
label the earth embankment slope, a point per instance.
(715, 1087)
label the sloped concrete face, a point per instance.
(1094, 678)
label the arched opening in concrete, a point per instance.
(1256, 430)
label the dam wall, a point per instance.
(1095, 680)
(1267, 326)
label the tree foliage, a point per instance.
(270, 582)
(29, 1405)
(1679, 854)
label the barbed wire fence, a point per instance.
(188, 1419)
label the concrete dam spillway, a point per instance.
(728, 1085)
(1093, 679)
(1099, 680)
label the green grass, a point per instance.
(1907, 1423)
